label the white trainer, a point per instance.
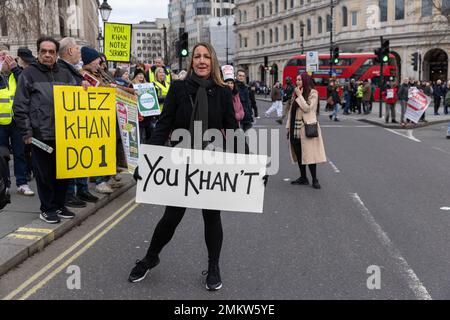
(103, 188)
(25, 190)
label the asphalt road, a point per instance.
(383, 206)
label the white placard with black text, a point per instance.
(201, 179)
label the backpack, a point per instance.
(5, 197)
(447, 99)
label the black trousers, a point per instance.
(52, 192)
(437, 104)
(169, 222)
(297, 147)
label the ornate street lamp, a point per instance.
(105, 10)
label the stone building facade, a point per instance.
(200, 19)
(22, 22)
(274, 30)
(149, 40)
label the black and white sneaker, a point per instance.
(50, 217)
(142, 268)
(65, 213)
(213, 280)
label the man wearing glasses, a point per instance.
(34, 114)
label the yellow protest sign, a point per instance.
(118, 42)
(85, 124)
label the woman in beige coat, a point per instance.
(305, 151)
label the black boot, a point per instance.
(316, 184)
(213, 280)
(142, 268)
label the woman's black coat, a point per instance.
(177, 110)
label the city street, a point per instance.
(383, 204)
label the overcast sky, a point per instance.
(134, 11)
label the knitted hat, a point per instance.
(139, 71)
(25, 54)
(88, 55)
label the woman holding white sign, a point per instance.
(304, 131)
(201, 97)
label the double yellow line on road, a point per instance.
(21, 293)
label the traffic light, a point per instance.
(415, 60)
(336, 55)
(184, 45)
(382, 53)
(385, 51)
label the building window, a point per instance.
(270, 36)
(445, 7)
(292, 4)
(329, 23)
(240, 41)
(270, 8)
(263, 38)
(276, 34)
(354, 18)
(246, 42)
(285, 33)
(399, 9)
(285, 4)
(4, 27)
(262, 11)
(344, 17)
(292, 31)
(319, 25)
(257, 12)
(276, 6)
(257, 38)
(308, 27)
(383, 4)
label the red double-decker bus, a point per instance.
(358, 66)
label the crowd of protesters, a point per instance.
(27, 112)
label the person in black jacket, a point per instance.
(34, 114)
(244, 94)
(204, 93)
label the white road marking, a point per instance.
(442, 150)
(409, 135)
(445, 208)
(287, 180)
(403, 267)
(336, 170)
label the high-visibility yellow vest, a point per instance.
(162, 91)
(7, 101)
(152, 77)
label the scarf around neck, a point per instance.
(200, 108)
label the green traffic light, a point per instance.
(385, 58)
(184, 53)
(336, 61)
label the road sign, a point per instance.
(312, 61)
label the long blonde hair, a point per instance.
(215, 67)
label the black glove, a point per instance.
(136, 175)
(265, 179)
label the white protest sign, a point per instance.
(390, 93)
(312, 61)
(148, 104)
(228, 72)
(417, 104)
(201, 179)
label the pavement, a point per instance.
(375, 119)
(22, 233)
